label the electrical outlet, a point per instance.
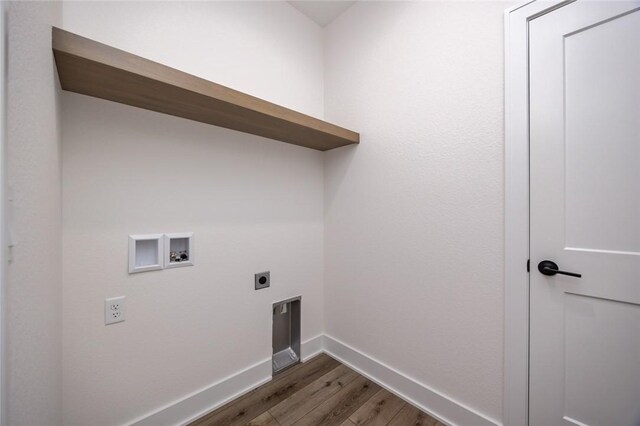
(262, 280)
(115, 310)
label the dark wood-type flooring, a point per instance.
(320, 391)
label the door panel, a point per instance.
(594, 329)
(602, 141)
(585, 214)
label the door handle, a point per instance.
(549, 268)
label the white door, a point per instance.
(585, 215)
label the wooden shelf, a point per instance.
(95, 69)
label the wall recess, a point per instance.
(178, 250)
(286, 334)
(145, 253)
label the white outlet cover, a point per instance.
(115, 310)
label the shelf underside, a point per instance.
(95, 69)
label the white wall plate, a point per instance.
(145, 253)
(178, 249)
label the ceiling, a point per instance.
(322, 12)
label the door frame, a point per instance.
(516, 244)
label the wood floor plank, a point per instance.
(296, 406)
(256, 402)
(265, 419)
(379, 410)
(336, 409)
(411, 416)
(347, 423)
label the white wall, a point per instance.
(414, 215)
(4, 38)
(412, 240)
(34, 284)
(266, 49)
(253, 204)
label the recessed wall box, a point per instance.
(145, 253)
(178, 250)
(286, 334)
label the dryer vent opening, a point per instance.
(286, 334)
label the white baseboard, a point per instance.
(428, 400)
(206, 400)
(312, 347)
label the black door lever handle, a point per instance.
(549, 268)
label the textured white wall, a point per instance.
(253, 204)
(34, 276)
(414, 215)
